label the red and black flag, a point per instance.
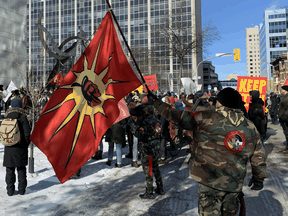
(85, 104)
(57, 79)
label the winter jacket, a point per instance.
(116, 133)
(274, 104)
(283, 108)
(256, 113)
(17, 155)
(224, 142)
(165, 128)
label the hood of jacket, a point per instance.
(14, 110)
(254, 94)
(235, 116)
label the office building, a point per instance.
(139, 20)
(272, 40)
(280, 72)
(210, 78)
(232, 83)
(13, 42)
(252, 52)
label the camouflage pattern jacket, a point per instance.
(283, 108)
(225, 140)
(149, 140)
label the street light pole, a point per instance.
(216, 56)
(268, 72)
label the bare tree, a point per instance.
(175, 36)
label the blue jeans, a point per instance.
(100, 147)
(118, 152)
(135, 149)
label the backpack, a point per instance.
(9, 132)
(151, 129)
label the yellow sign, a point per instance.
(236, 53)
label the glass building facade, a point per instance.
(13, 43)
(139, 20)
(272, 39)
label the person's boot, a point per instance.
(134, 164)
(162, 161)
(96, 156)
(109, 163)
(159, 191)
(129, 155)
(22, 180)
(10, 180)
(100, 155)
(118, 165)
(76, 175)
(146, 195)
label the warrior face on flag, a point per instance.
(85, 104)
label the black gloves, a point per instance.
(257, 183)
(151, 97)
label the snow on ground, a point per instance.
(44, 189)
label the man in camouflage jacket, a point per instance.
(148, 145)
(225, 141)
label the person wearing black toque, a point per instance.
(16, 156)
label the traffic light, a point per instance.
(236, 53)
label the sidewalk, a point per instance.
(103, 190)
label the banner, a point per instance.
(189, 86)
(57, 79)
(151, 82)
(246, 84)
(9, 90)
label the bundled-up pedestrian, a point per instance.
(256, 113)
(16, 156)
(225, 141)
(283, 110)
(115, 135)
(147, 129)
(274, 107)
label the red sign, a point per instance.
(151, 82)
(246, 84)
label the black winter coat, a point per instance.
(256, 115)
(116, 133)
(274, 105)
(283, 108)
(17, 155)
(165, 128)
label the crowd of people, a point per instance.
(217, 127)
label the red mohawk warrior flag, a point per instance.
(57, 79)
(85, 104)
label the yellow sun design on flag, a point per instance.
(89, 95)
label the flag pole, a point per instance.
(125, 41)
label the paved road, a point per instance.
(117, 194)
